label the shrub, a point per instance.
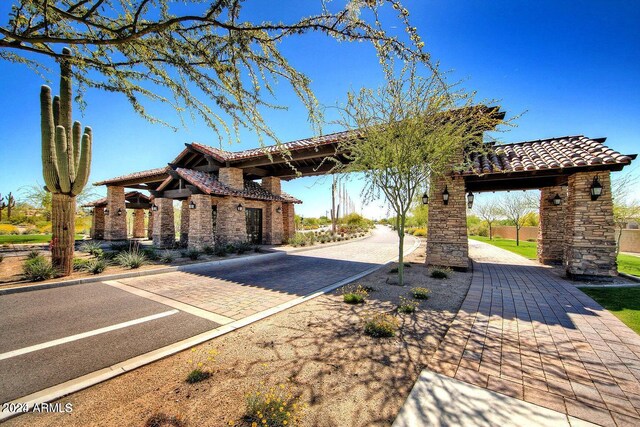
(242, 247)
(201, 362)
(420, 232)
(119, 246)
(80, 264)
(407, 306)
(298, 239)
(151, 254)
(1, 257)
(92, 248)
(273, 406)
(8, 229)
(192, 253)
(37, 269)
(257, 249)
(164, 420)
(96, 266)
(440, 272)
(130, 259)
(380, 325)
(420, 293)
(208, 250)
(33, 254)
(167, 256)
(354, 294)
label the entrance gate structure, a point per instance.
(576, 206)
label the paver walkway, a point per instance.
(242, 291)
(524, 332)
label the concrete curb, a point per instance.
(186, 268)
(93, 378)
(629, 276)
(325, 245)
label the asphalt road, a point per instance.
(34, 318)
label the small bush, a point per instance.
(420, 293)
(380, 325)
(273, 406)
(1, 257)
(197, 375)
(407, 306)
(354, 294)
(130, 259)
(420, 232)
(37, 269)
(193, 254)
(8, 229)
(151, 254)
(440, 272)
(92, 248)
(201, 362)
(96, 266)
(167, 257)
(242, 247)
(164, 420)
(208, 250)
(257, 249)
(119, 246)
(33, 254)
(80, 264)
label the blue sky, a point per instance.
(572, 70)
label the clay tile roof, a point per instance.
(209, 184)
(129, 196)
(553, 153)
(136, 175)
(216, 153)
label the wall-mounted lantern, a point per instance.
(192, 205)
(470, 198)
(425, 199)
(239, 207)
(596, 188)
(279, 209)
(119, 212)
(154, 207)
(556, 200)
(445, 195)
(106, 211)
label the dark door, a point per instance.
(214, 217)
(254, 225)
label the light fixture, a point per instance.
(119, 211)
(239, 207)
(154, 207)
(279, 209)
(445, 195)
(556, 200)
(470, 198)
(596, 188)
(106, 211)
(192, 205)
(425, 199)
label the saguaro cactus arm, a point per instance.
(63, 160)
(84, 163)
(49, 157)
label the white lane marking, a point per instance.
(76, 337)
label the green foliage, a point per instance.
(33, 254)
(273, 406)
(380, 325)
(80, 264)
(92, 248)
(131, 259)
(120, 246)
(151, 254)
(420, 293)
(242, 247)
(208, 250)
(38, 269)
(167, 257)
(623, 302)
(197, 375)
(407, 306)
(96, 266)
(354, 294)
(192, 253)
(525, 249)
(440, 272)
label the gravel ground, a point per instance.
(344, 377)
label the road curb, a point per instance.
(185, 268)
(96, 377)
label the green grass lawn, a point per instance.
(628, 264)
(624, 303)
(29, 238)
(526, 249)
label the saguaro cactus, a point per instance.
(3, 205)
(11, 203)
(66, 163)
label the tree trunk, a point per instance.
(400, 227)
(618, 242)
(490, 231)
(517, 236)
(63, 230)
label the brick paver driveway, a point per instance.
(525, 332)
(240, 291)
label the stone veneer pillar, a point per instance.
(97, 223)
(231, 224)
(288, 221)
(115, 225)
(200, 225)
(138, 224)
(231, 177)
(184, 222)
(274, 219)
(590, 246)
(447, 243)
(150, 223)
(551, 228)
(164, 231)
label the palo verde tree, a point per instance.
(211, 58)
(66, 163)
(405, 133)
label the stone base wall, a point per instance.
(184, 222)
(551, 229)
(231, 224)
(288, 221)
(139, 231)
(200, 222)
(590, 248)
(164, 230)
(97, 224)
(447, 243)
(115, 225)
(274, 224)
(231, 177)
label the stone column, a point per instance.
(288, 221)
(115, 225)
(164, 230)
(231, 177)
(200, 226)
(274, 223)
(184, 222)
(138, 224)
(231, 224)
(149, 224)
(590, 246)
(272, 184)
(97, 223)
(551, 228)
(447, 243)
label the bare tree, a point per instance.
(489, 213)
(625, 207)
(515, 207)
